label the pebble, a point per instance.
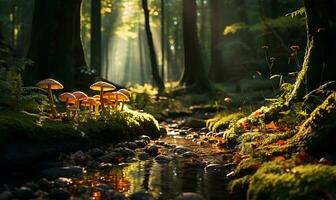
(63, 182)
(213, 168)
(141, 196)
(24, 193)
(96, 152)
(132, 145)
(163, 159)
(126, 152)
(181, 150)
(143, 156)
(189, 154)
(59, 194)
(103, 187)
(140, 143)
(189, 196)
(145, 138)
(152, 150)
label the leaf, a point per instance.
(271, 126)
(279, 158)
(299, 12)
(280, 142)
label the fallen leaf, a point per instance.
(279, 158)
(280, 142)
(271, 126)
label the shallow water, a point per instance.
(163, 181)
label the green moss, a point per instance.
(278, 180)
(223, 121)
(238, 187)
(248, 166)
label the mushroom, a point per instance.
(125, 92)
(79, 96)
(50, 84)
(228, 102)
(89, 103)
(74, 110)
(121, 97)
(67, 97)
(102, 87)
(110, 96)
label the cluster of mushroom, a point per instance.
(101, 103)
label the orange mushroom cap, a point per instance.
(67, 97)
(102, 85)
(96, 97)
(109, 95)
(80, 95)
(53, 84)
(125, 92)
(121, 96)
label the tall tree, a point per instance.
(319, 63)
(163, 40)
(217, 68)
(194, 75)
(96, 61)
(56, 47)
(154, 63)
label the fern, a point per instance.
(301, 11)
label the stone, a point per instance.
(195, 123)
(126, 152)
(103, 187)
(63, 182)
(163, 159)
(44, 184)
(189, 154)
(181, 149)
(68, 172)
(152, 150)
(109, 158)
(83, 189)
(212, 141)
(121, 144)
(59, 194)
(131, 145)
(24, 193)
(104, 166)
(143, 156)
(163, 132)
(78, 156)
(96, 152)
(140, 143)
(189, 196)
(118, 196)
(140, 196)
(213, 168)
(145, 138)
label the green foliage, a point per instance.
(300, 12)
(278, 180)
(282, 23)
(223, 121)
(10, 88)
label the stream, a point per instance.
(188, 161)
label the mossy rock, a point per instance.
(238, 187)
(277, 180)
(223, 121)
(317, 134)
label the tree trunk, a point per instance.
(56, 47)
(154, 64)
(96, 37)
(217, 69)
(163, 40)
(194, 74)
(319, 63)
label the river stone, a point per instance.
(96, 152)
(189, 196)
(126, 152)
(189, 154)
(104, 166)
(183, 133)
(59, 194)
(194, 123)
(63, 182)
(103, 187)
(83, 189)
(181, 149)
(143, 156)
(213, 168)
(163, 159)
(140, 143)
(121, 144)
(24, 193)
(212, 141)
(132, 145)
(68, 172)
(163, 132)
(141, 196)
(110, 157)
(44, 184)
(145, 138)
(153, 150)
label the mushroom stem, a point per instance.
(66, 108)
(96, 109)
(102, 100)
(51, 101)
(122, 106)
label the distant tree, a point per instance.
(96, 56)
(194, 75)
(55, 46)
(319, 63)
(154, 63)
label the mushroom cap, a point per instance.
(97, 86)
(125, 92)
(96, 97)
(73, 108)
(228, 100)
(54, 85)
(86, 103)
(121, 96)
(109, 95)
(67, 97)
(80, 95)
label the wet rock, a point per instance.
(24, 193)
(159, 142)
(110, 157)
(143, 156)
(140, 143)
(44, 184)
(213, 168)
(121, 145)
(92, 164)
(212, 141)
(194, 123)
(183, 133)
(96, 152)
(59, 194)
(204, 129)
(189, 154)
(63, 182)
(126, 152)
(220, 134)
(131, 160)
(83, 189)
(78, 156)
(196, 136)
(68, 172)
(181, 149)
(145, 138)
(152, 150)
(33, 186)
(189, 196)
(103, 187)
(131, 145)
(163, 159)
(141, 196)
(6, 195)
(209, 133)
(104, 166)
(230, 174)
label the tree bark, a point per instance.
(56, 47)
(319, 63)
(95, 62)
(194, 74)
(154, 63)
